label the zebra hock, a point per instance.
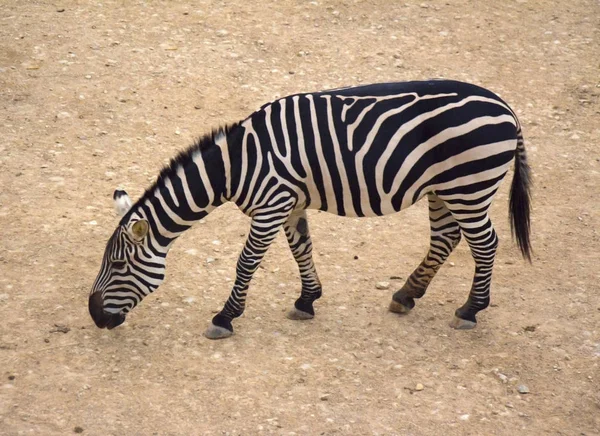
(359, 152)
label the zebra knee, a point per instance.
(456, 237)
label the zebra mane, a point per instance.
(203, 144)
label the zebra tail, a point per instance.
(520, 199)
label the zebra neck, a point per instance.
(185, 192)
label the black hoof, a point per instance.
(404, 300)
(466, 314)
(222, 321)
(216, 332)
(305, 306)
(462, 324)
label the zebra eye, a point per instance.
(118, 264)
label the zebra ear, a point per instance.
(122, 202)
(139, 229)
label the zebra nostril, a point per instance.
(102, 318)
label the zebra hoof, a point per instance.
(462, 324)
(216, 332)
(298, 315)
(399, 307)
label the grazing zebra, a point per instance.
(360, 152)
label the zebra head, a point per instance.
(131, 268)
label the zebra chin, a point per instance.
(101, 317)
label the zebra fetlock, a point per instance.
(360, 152)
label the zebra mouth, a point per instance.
(102, 318)
(115, 320)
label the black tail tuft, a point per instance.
(520, 200)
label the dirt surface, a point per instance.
(94, 96)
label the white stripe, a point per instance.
(286, 158)
(169, 186)
(419, 151)
(347, 195)
(173, 215)
(186, 191)
(198, 159)
(221, 142)
(161, 230)
(457, 160)
(329, 194)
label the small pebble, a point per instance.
(78, 429)
(324, 397)
(523, 389)
(382, 285)
(58, 328)
(419, 387)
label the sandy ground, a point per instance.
(99, 95)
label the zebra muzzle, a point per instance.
(101, 317)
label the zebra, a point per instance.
(363, 151)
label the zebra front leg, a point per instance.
(263, 230)
(445, 235)
(483, 242)
(298, 236)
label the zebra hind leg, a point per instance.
(445, 235)
(483, 242)
(298, 236)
